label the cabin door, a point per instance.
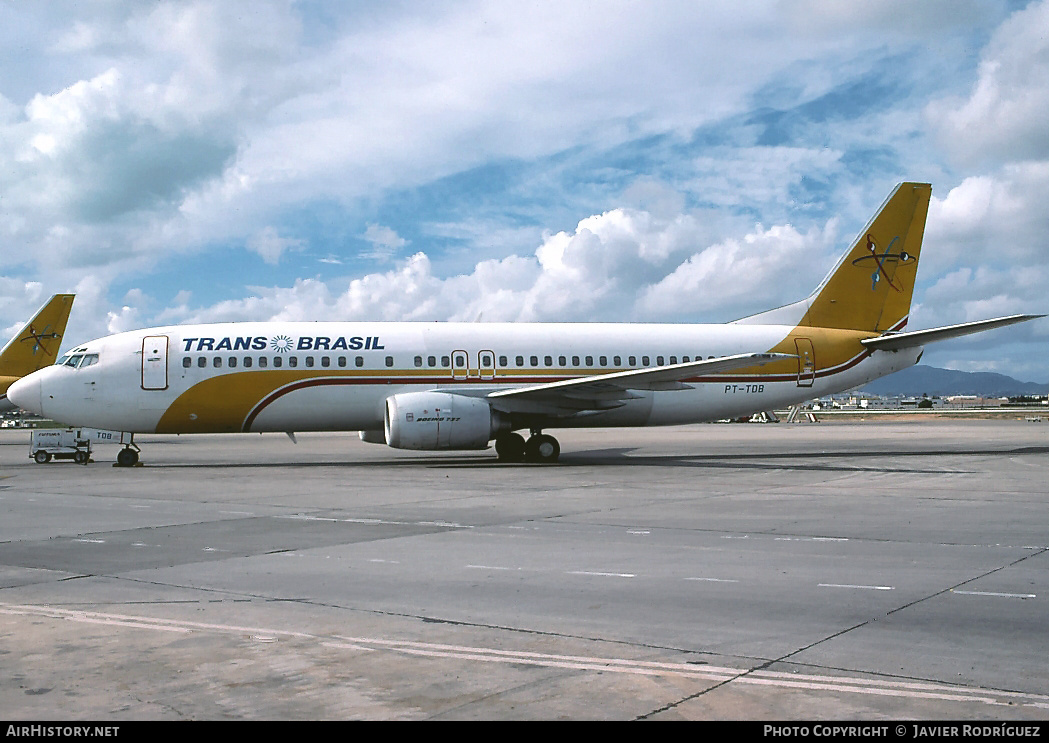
(155, 362)
(806, 362)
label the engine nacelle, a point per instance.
(435, 420)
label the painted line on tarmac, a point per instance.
(600, 574)
(717, 674)
(377, 522)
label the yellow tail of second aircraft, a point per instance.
(36, 345)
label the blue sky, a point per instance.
(668, 161)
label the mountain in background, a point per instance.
(921, 380)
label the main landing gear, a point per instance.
(540, 448)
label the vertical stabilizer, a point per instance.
(36, 345)
(870, 289)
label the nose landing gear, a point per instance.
(128, 456)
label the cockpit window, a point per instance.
(78, 360)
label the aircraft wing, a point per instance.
(606, 391)
(896, 341)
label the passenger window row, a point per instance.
(277, 362)
(563, 361)
(431, 362)
(588, 361)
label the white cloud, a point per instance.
(770, 266)
(18, 301)
(902, 16)
(385, 242)
(995, 217)
(93, 152)
(127, 318)
(271, 246)
(749, 176)
(207, 118)
(1007, 113)
(977, 293)
(620, 265)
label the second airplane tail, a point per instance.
(36, 345)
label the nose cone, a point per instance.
(25, 393)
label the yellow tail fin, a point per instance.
(36, 345)
(870, 288)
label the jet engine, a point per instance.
(436, 420)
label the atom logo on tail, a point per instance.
(882, 260)
(39, 338)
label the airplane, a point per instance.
(459, 386)
(35, 346)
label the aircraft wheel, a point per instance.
(510, 447)
(80, 457)
(42, 457)
(543, 449)
(127, 457)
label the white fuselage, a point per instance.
(329, 376)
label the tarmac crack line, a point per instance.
(747, 672)
(765, 666)
(1015, 562)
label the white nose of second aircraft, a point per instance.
(25, 393)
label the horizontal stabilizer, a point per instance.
(912, 339)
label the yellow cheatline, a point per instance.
(221, 404)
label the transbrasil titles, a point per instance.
(283, 343)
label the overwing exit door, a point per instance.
(460, 365)
(486, 364)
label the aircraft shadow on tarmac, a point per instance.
(872, 461)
